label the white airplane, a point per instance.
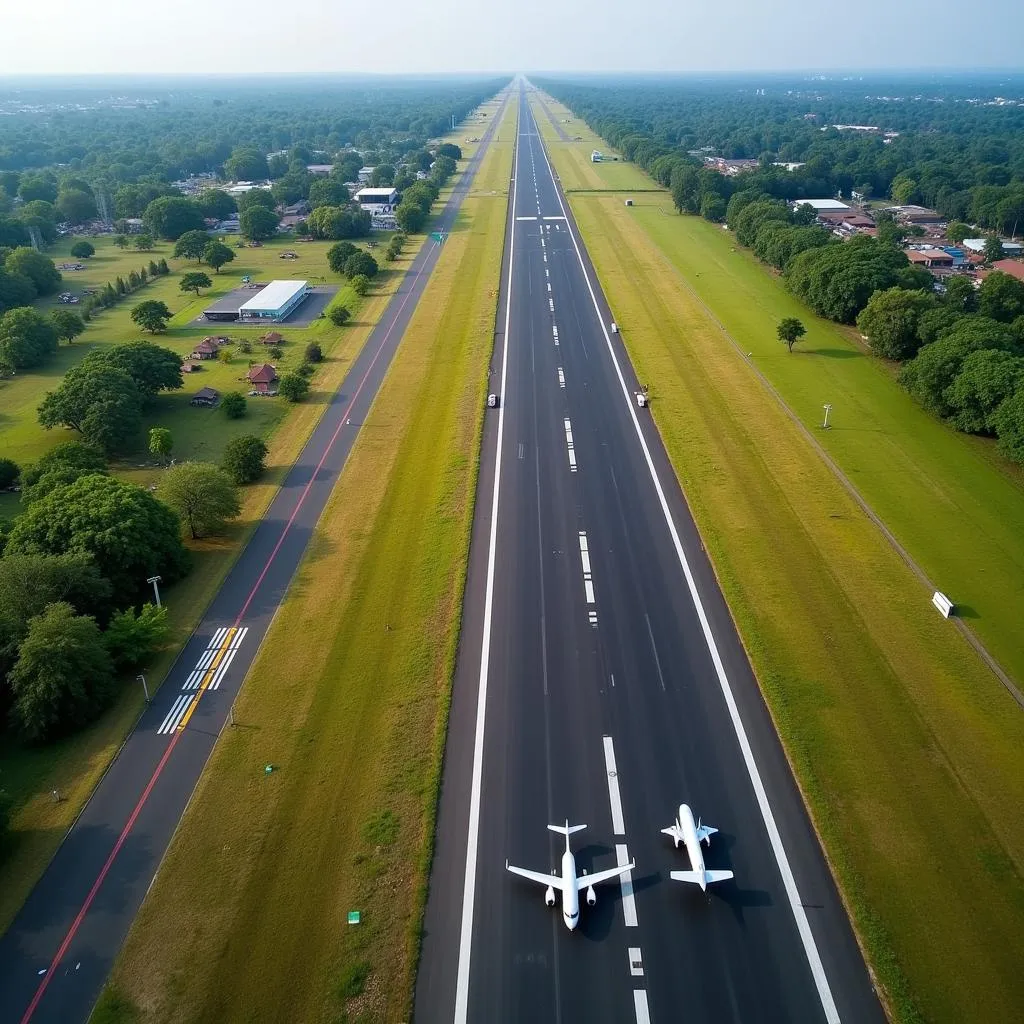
(691, 836)
(569, 883)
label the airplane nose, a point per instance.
(570, 923)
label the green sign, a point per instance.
(353, 917)
(438, 236)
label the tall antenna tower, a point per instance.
(103, 207)
(35, 237)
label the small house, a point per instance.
(262, 378)
(206, 349)
(190, 367)
(206, 397)
(272, 338)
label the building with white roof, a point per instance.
(382, 199)
(274, 302)
(978, 245)
(821, 205)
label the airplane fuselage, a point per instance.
(688, 828)
(570, 892)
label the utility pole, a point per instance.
(145, 688)
(156, 589)
(828, 409)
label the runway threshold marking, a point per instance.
(825, 996)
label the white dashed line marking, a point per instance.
(561, 378)
(572, 450)
(551, 305)
(626, 880)
(636, 962)
(643, 1015)
(618, 822)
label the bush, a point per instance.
(132, 638)
(360, 263)
(314, 354)
(294, 387)
(339, 316)
(306, 370)
(244, 458)
(83, 250)
(233, 405)
(360, 284)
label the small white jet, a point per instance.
(568, 882)
(691, 836)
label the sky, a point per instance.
(412, 36)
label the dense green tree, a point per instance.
(410, 217)
(161, 443)
(129, 533)
(151, 315)
(1001, 297)
(258, 224)
(244, 458)
(76, 206)
(233, 405)
(82, 249)
(257, 197)
(15, 290)
(132, 638)
(194, 282)
(215, 202)
(339, 315)
(101, 402)
(246, 163)
(961, 294)
(993, 249)
(27, 339)
(292, 187)
(202, 494)
(1009, 426)
(338, 255)
(40, 215)
(986, 379)
(191, 245)
(293, 386)
(170, 217)
(957, 231)
(40, 186)
(890, 320)
(383, 174)
(327, 192)
(144, 243)
(423, 194)
(63, 677)
(62, 464)
(152, 368)
(39, 269)
(790, 331)
(360, 284)
(338, 222)
(217, 254)
(361, 263)
(67, 323)
(685, 188)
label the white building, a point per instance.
(978, 245)
(380, 200)
(821, 205)
(275, 301)
(320, 170)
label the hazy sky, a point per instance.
(70, 36)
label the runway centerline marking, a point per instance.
(572, 450)
(636, 962)
(774, 836)
(626, 881)
(614, 797)
(643, 1014)
(561, 378)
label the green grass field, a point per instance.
(908, 750)
(74, 766)
(355, 726)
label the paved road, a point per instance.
(608, 689)
(57, 953)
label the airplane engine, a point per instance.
(591, 896)
(549, 896)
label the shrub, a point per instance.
(339, 316)
(233, 405)
(314, 354)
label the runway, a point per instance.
(600, 679)
(57, 953)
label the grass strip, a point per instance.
(899, 737)
(347, 700)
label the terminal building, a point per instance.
(271, 303)
(380, 200)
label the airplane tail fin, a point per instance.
(566, 829)
(717, 876)
(701, 879)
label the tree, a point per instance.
(217, 254)
(890, 321)
(151, 315)
(293, 386)
(327, 192)
(986, 379)
(131, 638)
(338, 222)
(961, 294)
(144, 243)
(258, 224)
(37, 186)
(76, 206)
(244, 458)
(192, 282)
(170, 217)
(9, 473)
(957, 231)
(449, 150)
(202, 494)
(361, 263)
(246, 163)
(382, 174)
(360, 284)
(410, 217)
(338, 255)
(82, 250)
(62, 464)
(257, 197)
(101, 402)
(191, 245)
(685, 188)
(160, 442)
(121, 241)
(1009, 426)
(63, 677)
(215, 202)
(339, 315)
(233, 405)
(38, 268)
(1001, 297)
(68, 324)
(129, 533)
(313, 354)
(790, 331)
(42, 216)
(993, 249)
(27, 339)
(153, 368)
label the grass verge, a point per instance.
(900, 738)
(349, 711)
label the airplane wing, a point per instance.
(603, 876)
(705, 832)
(674, 832)
(554, 881)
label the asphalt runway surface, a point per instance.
(57, 953)
(600, 679)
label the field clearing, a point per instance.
(75, 765)
(356, 726)
(837, 627)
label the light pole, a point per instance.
(145, 688)
(156, 589)
(828, 409)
